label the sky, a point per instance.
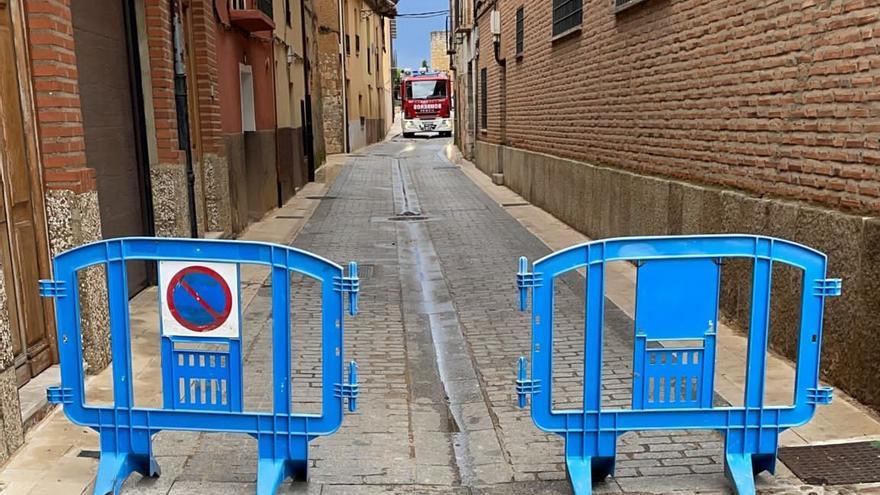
(414, 35)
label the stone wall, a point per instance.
(606, 202)
(331, 104)
(11, 431)
(439, 57)
(74, 220)
(216, 187)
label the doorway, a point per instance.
(115, 133)
(23, 241)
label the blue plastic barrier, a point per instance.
(202, 389)
(676, 300)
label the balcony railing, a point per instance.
(252, 15)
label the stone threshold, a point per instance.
(33, 404)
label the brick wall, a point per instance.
(205, 86)
(56, 96)
(779, 98)
(161, 51)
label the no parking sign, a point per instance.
(199, 299)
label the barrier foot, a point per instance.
(272, 472)
(741, 472)
(584, 471)
(114, 468)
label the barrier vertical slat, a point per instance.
(281, 336)
(120, 340)
(758, 333)
(542, 352)
(332, 349)
(594, 317)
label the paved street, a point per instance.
(436, 339)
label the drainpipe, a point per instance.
(502, 64)
(308, 131)
(182, 110)
(342, 58)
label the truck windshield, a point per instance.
(425, 90)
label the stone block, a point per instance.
(11, 433)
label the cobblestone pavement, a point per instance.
(437, 340)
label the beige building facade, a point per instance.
(299, 135)
(354, 63)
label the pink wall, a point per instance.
(235, 46)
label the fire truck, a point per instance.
(427, 104)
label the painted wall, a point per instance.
(365, 87)
(236, 47)
(289, 63)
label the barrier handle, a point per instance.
(523, 288)
(355, 288)
(353, 383)
(521, 379)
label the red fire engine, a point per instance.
(427, 104)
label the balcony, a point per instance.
(251, 15)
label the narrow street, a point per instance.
(567, 233)
(436, 340)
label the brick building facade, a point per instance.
(138, 118)
(667, 117)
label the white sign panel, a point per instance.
(199, 299)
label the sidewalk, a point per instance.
(58, 457)
(843, 420)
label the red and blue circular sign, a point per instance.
(199, 298)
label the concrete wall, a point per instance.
(238, 190)
(292, 171)
(261, 173)
(606, 202)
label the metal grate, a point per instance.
(837, 464)
(567, 15)
(520, 30)
(484, 99)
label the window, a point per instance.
(246, 88)
(347, 44)
(369, 61)
(484, 99)
(567, 15)
(287, 16)
(520, 28)
(624, 4)
(357, 44)
(426, 89)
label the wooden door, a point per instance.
(21, 249)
